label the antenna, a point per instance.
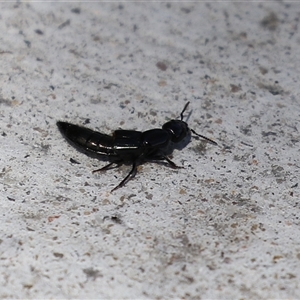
(204, 137)
(192, 130)
(184, 109)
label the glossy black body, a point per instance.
(129, 146)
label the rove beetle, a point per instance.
(130, 146)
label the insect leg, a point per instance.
(107, 167)
(171, 163)
(130, 175)
(164, 157)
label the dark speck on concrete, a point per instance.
(38, 31)
(76, 10)
(270, 21)
(162, 66)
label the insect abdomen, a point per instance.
(86, 139)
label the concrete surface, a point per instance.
(224, 227)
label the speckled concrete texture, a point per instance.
(226, 226)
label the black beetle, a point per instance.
(130, 146)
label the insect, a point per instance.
(130, 146)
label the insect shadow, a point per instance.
(131, 146)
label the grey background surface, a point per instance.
(225, 226)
